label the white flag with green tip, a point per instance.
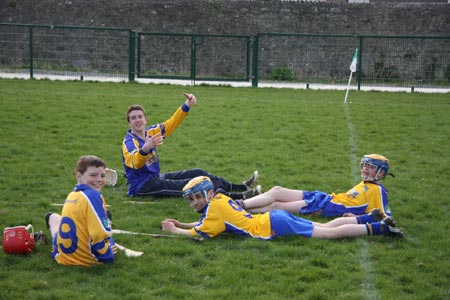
(352, 70)
(354, 62)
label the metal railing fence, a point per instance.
(74, 52)
(421, 61)
(66, 50)
(193, 56)
(323, 59)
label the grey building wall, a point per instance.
(396, 17)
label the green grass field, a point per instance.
(300, 139)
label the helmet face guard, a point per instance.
(200, 184)
(198, 187)
(18, 240)
(380, 162)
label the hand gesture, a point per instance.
(168, 225)
(190, 99)
(174, 221)
(152, 141)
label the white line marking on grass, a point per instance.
(368, 289)
(352, 138)
(365, 261)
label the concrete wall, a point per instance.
(237, 16)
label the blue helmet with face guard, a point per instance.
(379, 161)
(200, 184)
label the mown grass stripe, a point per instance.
(365, 258)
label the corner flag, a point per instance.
(352, 70)
(354, 62)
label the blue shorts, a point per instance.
(284, 223)
(320, 203)
(316, 201)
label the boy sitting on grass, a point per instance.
(82, 235)
(142, 164)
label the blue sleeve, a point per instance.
(185, 108)
(384, 196)
(108, 256)
(100, 236)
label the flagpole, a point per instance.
(348, 86)
(352, 70)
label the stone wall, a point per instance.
(236, 16)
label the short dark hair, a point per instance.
(87, 161)
(134, 107)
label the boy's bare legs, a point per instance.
(276, 198)
(346, 230)
(337, 222)
(352, 227)
(338, 228)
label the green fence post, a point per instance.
(247, 59)
(138, 51)
(193, 58)
(30, 37)
(360, 62)
(132, 53)
(255, 61)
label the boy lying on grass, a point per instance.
(221, 214)
(361, 199)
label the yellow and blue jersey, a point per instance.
(359, 200)
(362, 198)
(223, 214)
(141, 166)
(84, 236)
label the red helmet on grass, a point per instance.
(18, 240)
